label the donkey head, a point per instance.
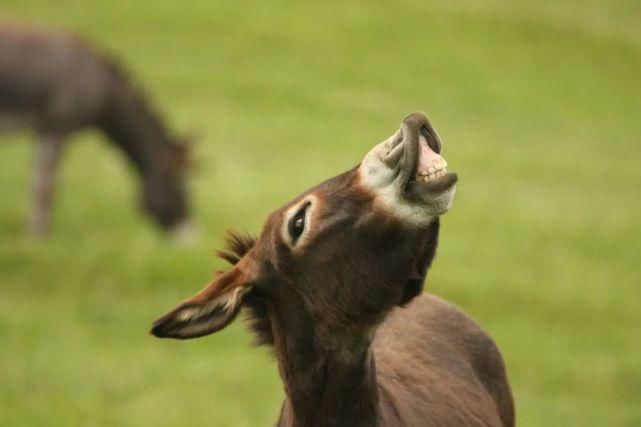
(164, 193)
(338, 257)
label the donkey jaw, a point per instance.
(407, 174)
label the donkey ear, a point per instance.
(207, 312)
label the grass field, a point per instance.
(540, 110)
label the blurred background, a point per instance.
(539, 106)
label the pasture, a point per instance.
(539, 108)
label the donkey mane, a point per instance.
(237, 244)
(130, 107)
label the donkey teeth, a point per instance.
(430, 173)
(436, 167)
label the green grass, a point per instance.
(540, 110)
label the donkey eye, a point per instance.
(296, 225)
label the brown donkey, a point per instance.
(334, 285)
(57, 84)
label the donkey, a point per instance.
(334, 286)
(57, 84)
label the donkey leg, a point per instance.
(47, 156)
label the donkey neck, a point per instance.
(131, 123)
(330, 380)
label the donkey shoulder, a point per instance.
(431, 349)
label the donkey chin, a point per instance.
(407, 174)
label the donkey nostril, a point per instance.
(393, 156)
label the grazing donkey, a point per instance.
(57, 85)
(334, 285)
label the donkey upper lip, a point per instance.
(433, 141)
(428, 172)
(413, 160)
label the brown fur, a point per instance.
(57, 84)
(427, 323)
(356, 341)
